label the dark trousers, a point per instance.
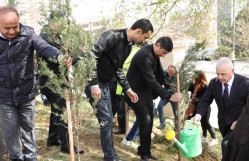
(118, 106)
(226, 135)
(144, 112)
(205, 124)
(57, 128)
(105, 118)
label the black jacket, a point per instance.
(237, 100)
(17, 76)
(50, 64)
(168, 80)
(111, 51)
(146, 73)
(238, 144)
(54, 66)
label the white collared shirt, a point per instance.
(229, 86)
(130, 42)
(1, 35)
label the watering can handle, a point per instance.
(191, 122)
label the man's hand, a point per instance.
(66, 60)
(233, 125)
(96, 92)
(133, 96)
(84, 50)
(176, 97)
(189, 100)
(196, 119)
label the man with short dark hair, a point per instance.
(111, 50)
(145, 76)
(18, 83)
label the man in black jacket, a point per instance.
(230, 91)
(58, 130)
(111, 50)
(146, 76)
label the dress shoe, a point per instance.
(153, 157)
(145, 159)
(53, 143)
(119, 131)
(161, 126)
(117, 158)
(66, 150)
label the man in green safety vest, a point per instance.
(126, 65)
(120, 94)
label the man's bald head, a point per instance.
(9, 22)
(7, 9)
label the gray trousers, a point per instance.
(18, 125)
(2, 146)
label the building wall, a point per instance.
(30, 13)
(3, 2)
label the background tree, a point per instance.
(173, 16)
(226, 31)
(73, 40)
(12, 3)
(242, 33)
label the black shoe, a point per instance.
(117, 158)
(145, 158)
(15, 159)
(161, 126)
(153, 157)
(53, 143)
(120, 131)
(66, 150)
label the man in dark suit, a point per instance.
(229, 91)
(145, 76)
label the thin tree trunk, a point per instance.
(126, 118)
(70, 131)
(179, 117)
(69, 118)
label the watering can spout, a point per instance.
(181, 146)
(170, 135)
